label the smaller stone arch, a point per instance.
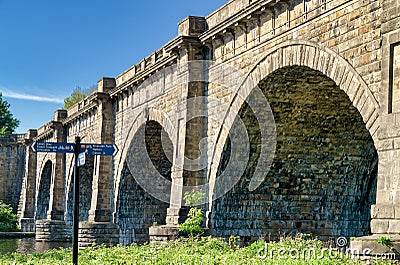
(85, 191)
(43, 191)
(87, 137)
(68, 192)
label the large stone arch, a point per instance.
(43, 191)
(318, 59)
(137, 208)
(314, 56)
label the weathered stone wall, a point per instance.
(12, 164)
(385, 213)
(86, 126)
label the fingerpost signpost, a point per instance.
(80, 150)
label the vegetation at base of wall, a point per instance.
(8, 220)
(193, 250)
(192, 225)
(384, 241)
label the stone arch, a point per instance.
(136, 208)
(148, 114)
(43, 195)
(314, 56)
(353, 89)
(88, 137)
(85, 191)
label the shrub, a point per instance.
(8, 220)
(192, 225)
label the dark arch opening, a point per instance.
(43, 200)
(137, 209)
(85, 192)
(323, 177)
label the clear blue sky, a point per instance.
(47, 48)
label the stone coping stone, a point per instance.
(371, 242)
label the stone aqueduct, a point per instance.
(330, 70)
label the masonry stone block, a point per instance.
(382, 211)
(379, 226)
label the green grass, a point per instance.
(204, 250)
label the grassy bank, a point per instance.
(196, 251)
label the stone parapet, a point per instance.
(192, 26)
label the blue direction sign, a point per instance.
(53, 147)
(99, 149)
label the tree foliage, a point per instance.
(77, 95)
(8, 123)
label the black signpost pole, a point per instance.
(76, 202)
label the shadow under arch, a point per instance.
(43, 195)
(147, 114)
(323, 177)
(136, 208)
(85, 192)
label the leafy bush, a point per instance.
(192, 224)
(8, 220)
